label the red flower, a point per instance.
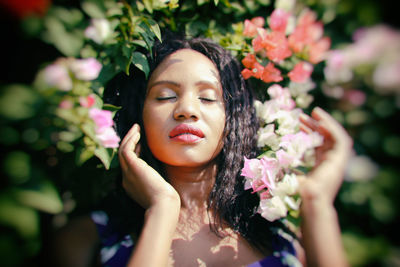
(258, 42)
(249, 61)
(301, 72)
(255, 71)
(250, 26)
(278, 20)
(319, 49)
(246, 73)
(307, 37)
(24, 8)
(277, 46)
(271, 74)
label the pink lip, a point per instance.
(186, 133)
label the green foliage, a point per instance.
(50, 152)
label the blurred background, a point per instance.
(43, 185)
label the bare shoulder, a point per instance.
(75, 244)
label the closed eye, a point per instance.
(166, 98)
(206, 99)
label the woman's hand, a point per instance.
(321, 235)
(144, 184)
(161, 201)
(332, 156)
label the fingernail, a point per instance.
(303, 116)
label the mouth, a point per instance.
(186, 133)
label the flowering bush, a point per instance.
(282, 54)
(54, 129)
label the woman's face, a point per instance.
(184, 113)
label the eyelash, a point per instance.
(207, 99)
(173, 97)
(165, 98)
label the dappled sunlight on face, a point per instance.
(184, 113)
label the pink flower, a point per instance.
(277, 46)
(284, 158)
(301, 72)
(108, 138)
(278, 20)
(294, 145)
(307, 17)
(250, 26)
(355, 97)
(86, 69)
(102, 119)
(271, 74)
(66, 104)
(261, 172)
(57, 75)
(87, 102)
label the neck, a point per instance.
(193, 184)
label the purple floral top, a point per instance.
(116, 250)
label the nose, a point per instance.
(187, 107)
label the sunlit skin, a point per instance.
(184, 90)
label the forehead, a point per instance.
(185, 62)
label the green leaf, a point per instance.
(70, 17)
(68, 115)
(111, 107)
(17, 166)
(44, 198)
(127, 50)
(148, 5)
(88, 129)
(139, 43)
(155, 28)
(24, 220)
(93, 10)
(84, 154)
(104, 155)
(140, 61)
(68, 43)
(18, 102)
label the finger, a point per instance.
(131, 142)
(132, 132)
(305, 128)
(314, 125)
(328, 122)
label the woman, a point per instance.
(193, 123)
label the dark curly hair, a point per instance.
(228, 200)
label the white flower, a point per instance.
(297, 89)
(272, 208)
(99, 30)
(286, 5)
(266, 110)
(304, 100)
(287, 186)
(361, 168)
(267, 137)
(288, 121)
